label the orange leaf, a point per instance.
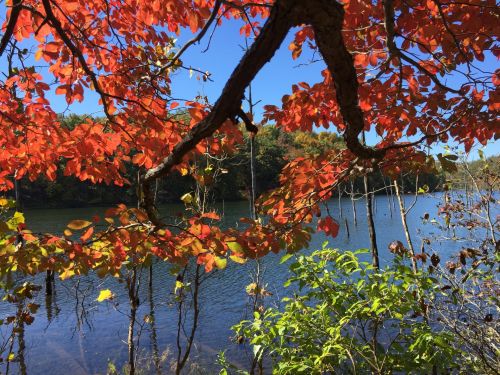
(88, 233)
(329, 226)
(78, 224)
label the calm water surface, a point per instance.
(73, 334)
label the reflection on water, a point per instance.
(73, 334)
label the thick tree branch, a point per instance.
(9, 30)
(229, 103)
(249, 125)
(326, 17)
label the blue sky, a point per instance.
(223, 54)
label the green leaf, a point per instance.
(447, 163)
(481, 154)
(424, 189)
(17, 219)
(285, 257)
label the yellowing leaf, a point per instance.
(187, 198)
(67, 273)
(17, 219)
(178, 285)
(78, 224)
(220, 263)
(236, 259)
(235, 247)
(104, 295)
(68, 233)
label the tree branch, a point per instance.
(52, 19)
(327, 18)
(229, 103)
(9, 30)
(196, 39)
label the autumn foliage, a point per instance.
(424, 74)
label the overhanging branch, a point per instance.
(327, 18)
(9, 30)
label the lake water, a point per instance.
(73, 334)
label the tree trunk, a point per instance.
(340, 202)
(403, 212)
(154, 336)
(353, 203)
(371, 224)
(133, 300)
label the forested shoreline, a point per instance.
(274, 148)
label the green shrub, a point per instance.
(346, 317)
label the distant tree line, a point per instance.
(273, 148)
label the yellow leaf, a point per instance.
(178, 285)
(104, 295)
(38, 54)
(235, 247)
(11, 357)
(68, 233)
(67, 273)
(220, 263)
(236, 259)
(184, 171)
(17, 219)
(78, 224)
(187, 198)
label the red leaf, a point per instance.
(329, 226)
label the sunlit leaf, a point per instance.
(105, 295)
(238, 259)
(187, 198)
(220, 263)
(78, 224)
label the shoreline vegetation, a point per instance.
(274, 148)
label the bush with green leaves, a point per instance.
(346, 317)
